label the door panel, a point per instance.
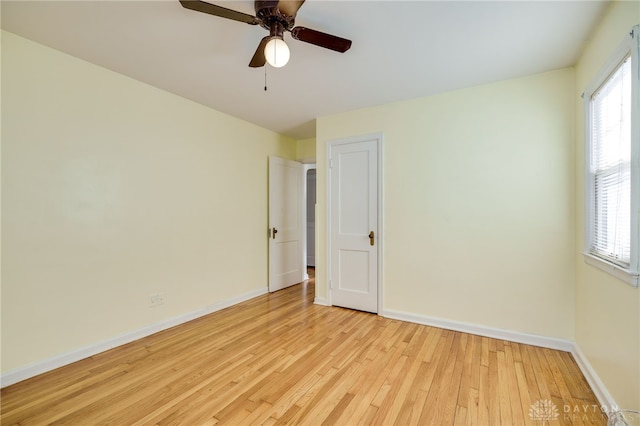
(354, 193)
(286, 266)
(353, 201)
(351, 265)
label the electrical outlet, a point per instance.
(156, 299)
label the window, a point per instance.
(611, 166)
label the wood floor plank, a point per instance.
(493, 389)
(504, 398)
(515, 398)
(432, 412)
(454, 383)
(483, 396)
(280, 359)
(335, 414)
(409, 386)
(523, 392)
(466, 374)
(367, 389)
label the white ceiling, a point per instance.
(401, 50)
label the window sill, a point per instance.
(625, 275)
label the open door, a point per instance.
(286, 223)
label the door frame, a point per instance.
(378, 137)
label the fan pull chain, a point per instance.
(265, 77)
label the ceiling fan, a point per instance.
(276, 16)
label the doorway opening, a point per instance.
(310, 204)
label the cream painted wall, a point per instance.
(306, 149)
(113, 190)
(478, 203)
(607, 310)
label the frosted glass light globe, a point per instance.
(276, 52)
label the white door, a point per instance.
(354, 236)
(286, 265)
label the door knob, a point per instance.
(274, 231)
(371, 238)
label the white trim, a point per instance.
(326, 301)
(599, 389)
(380, 220)
(322, 301)
(629, 46)
(635, 151)
(615, 270)
(40, 367)
(624, 48)
(495, 333)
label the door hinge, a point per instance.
(331, 163)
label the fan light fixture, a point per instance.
(275, 16)
(277, 52)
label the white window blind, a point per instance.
(612, 163)
(611, 167)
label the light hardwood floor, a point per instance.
(281, 359)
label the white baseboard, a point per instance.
(496, 333)
(321, 301)
(32, 370)
(599, 389)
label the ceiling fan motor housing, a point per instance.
(272, 19)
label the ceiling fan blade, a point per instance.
(223, 12)
(259, 59)
(290, 7)
(318, 38)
